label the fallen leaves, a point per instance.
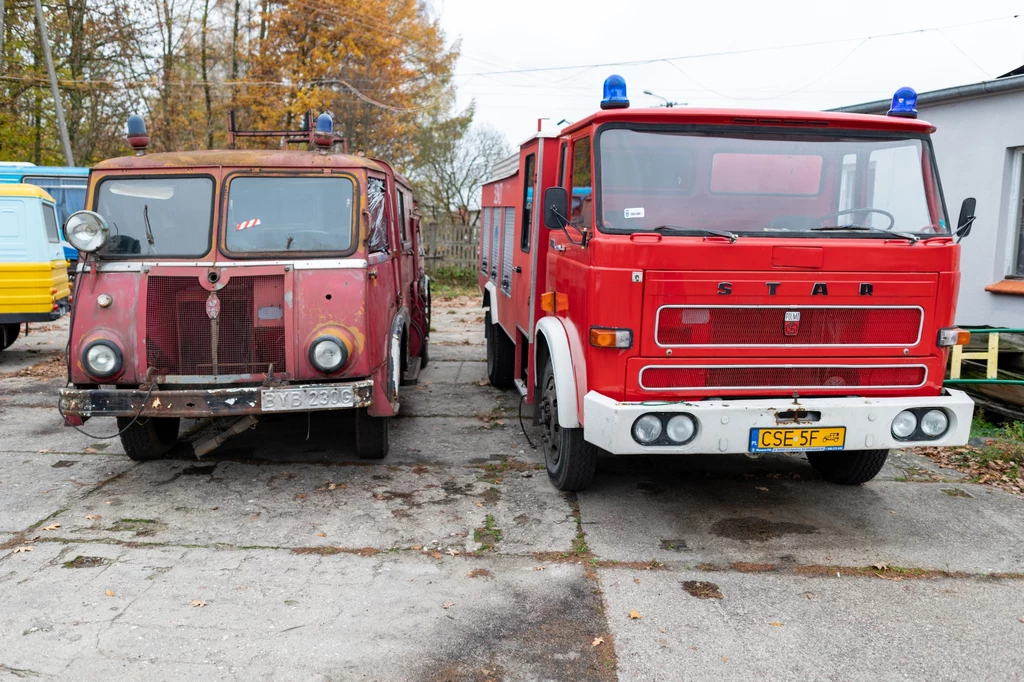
(321, 535)
(300, 496)
(93, 517)
(634, 615)
(197, 603)
(52, 526)
(775, 624)
(597, 641)
(452, 552)
(90, 451)
(761, 488)
(23, 548)
(881, 565)
(436, 555)
(109, 593)
(448, 604)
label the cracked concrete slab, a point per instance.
(702, 514)
(774, 627)
(271, 615)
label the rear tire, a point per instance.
(148, 438)
(569, 459)
(501, 354)
(8, 334)
(848, 468)
(371, 436)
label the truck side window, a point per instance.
(376, 206)
(50, 218)
(562, 163)
(582, 184)
(402, 218)
(529, 187)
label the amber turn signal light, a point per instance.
(608, 337)
(954, 336)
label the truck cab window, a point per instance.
(582, 184)
(529, 188)
(376, 204)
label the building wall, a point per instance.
(978, 145)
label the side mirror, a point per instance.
(966, 220)
(556, 208)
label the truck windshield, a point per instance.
(767, 184)
(289, 215)
(159, 216)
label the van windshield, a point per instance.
(160, 216)
(767, 184)
(289, 215)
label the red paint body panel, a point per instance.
(622, 280)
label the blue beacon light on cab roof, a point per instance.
(615, 93)
(904, 103)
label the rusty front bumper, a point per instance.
(79, 404)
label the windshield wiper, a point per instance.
(145, 219)
(864, 228)
(731, 236)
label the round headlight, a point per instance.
(328, 354)
(681, 428)
(647, 428)
(102, 359)
(87, 231)
(934, 423)
(904, 424)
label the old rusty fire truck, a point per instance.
(234, 283)
(674, 280)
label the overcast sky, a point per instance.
(978, 40)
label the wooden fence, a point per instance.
(451, 246)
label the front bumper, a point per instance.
(77, 404)
(724, 425)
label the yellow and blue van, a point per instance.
(33, 271)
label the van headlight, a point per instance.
(328, 354)
(102, 359)
(904, 425)
(934, 423)
(87, 231)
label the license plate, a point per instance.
(306, 398)
(813, 438)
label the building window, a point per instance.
(582, 211)
(529, 187)
(1018, 224)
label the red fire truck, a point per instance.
(233, 283)
(726, 281)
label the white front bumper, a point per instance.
(724, 425)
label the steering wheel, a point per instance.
(890, 216)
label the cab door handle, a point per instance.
(517, 269)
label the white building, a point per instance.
(979, 145)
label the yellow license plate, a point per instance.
(812, 438)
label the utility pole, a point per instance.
(58, 105)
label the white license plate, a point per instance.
(306, 398)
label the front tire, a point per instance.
(371, 436)
(848, 468)
(149, 438)
(8, 334)
(501, 354)
(568, 458)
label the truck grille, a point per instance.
(730, 326)
(782, 377)
(247, 336)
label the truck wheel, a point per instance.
(8, 334)
(148, 438)
(570, 460)
(848, 468)
(371, 436)
(501, 354)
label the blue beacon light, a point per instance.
(615, 93)
(904, 103)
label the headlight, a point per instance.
(904, 424)
(87, 231)
(647, 428)
(328, 354)
(681, 428)
(102, 359)
(934, 423)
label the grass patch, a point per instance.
(489, 535)
(994, 457)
